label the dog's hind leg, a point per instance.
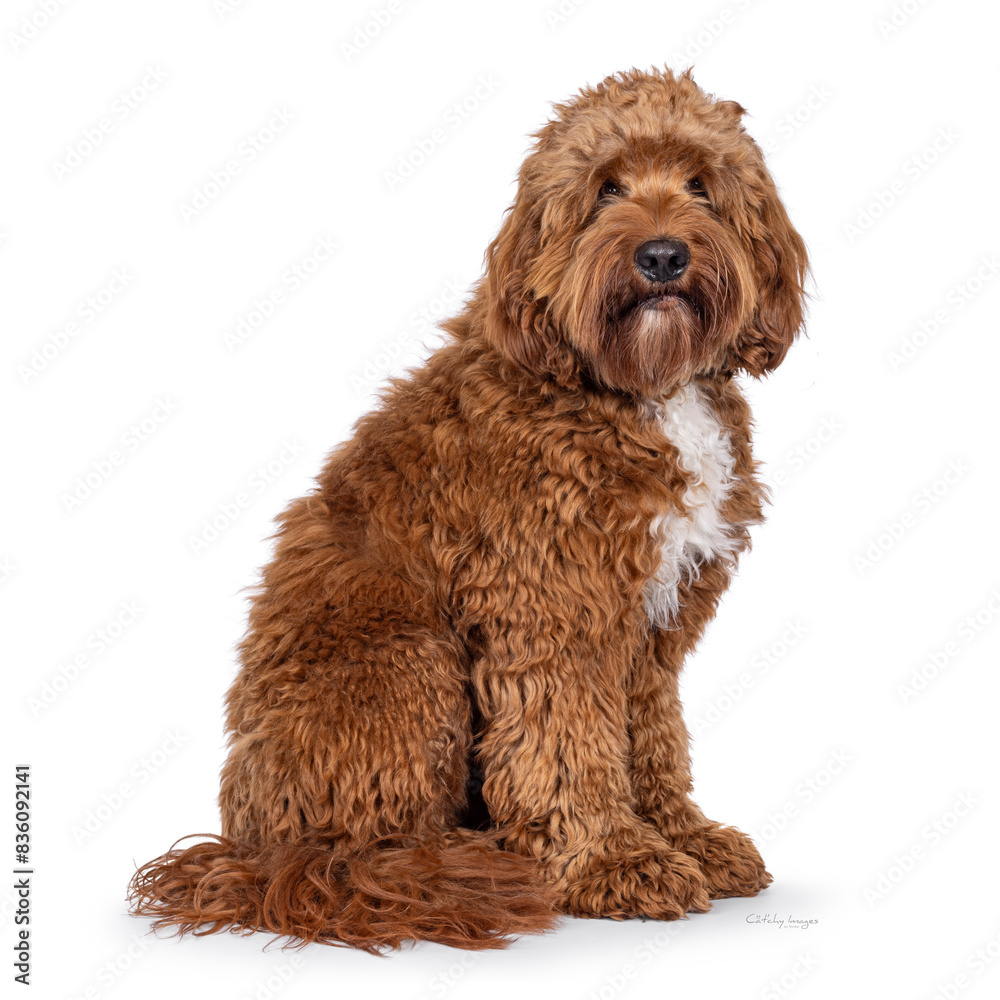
(341, 794)
(360, 733)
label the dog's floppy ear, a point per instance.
(513, 310)
(780, 265)
(518, 323)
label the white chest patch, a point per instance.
(691, 539)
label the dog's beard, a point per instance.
(639, 336)
(649, 337)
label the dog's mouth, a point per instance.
(662, 302)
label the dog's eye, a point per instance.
(609, 189)
(697, 187)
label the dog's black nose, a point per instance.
(663, 260)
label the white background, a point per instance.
(815, 747)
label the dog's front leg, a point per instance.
(554, 753)
(660, 763)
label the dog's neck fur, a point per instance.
(688, 540)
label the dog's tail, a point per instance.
(467, 893)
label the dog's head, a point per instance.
(646, 243)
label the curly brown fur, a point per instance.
(508, 564)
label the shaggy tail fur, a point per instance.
(468, 894)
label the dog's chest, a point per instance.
(688, 540)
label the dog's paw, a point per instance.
(731, 864)
(644, 881)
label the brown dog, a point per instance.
(502, 572)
